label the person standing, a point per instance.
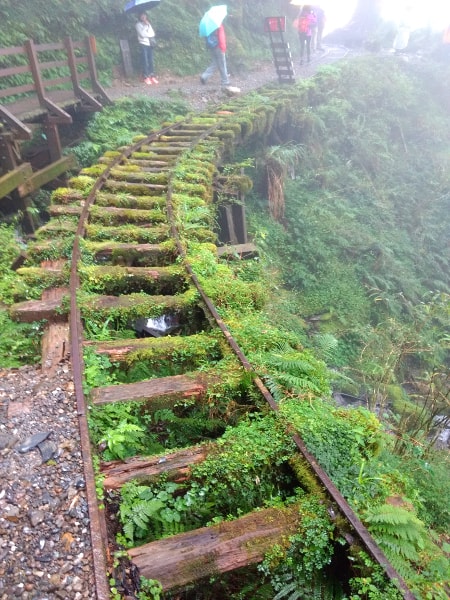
(216, 44)
(316, 43)
(146, 39)
(305, 22)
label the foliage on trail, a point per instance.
(19, 342)
(119, 124)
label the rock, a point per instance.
(12, 513)
(48, 450)
(7, 441)
(36, 517)
(32, 441)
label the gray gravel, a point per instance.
(45, 544)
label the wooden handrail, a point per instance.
(37, 70)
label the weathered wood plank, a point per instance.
(176, 465)
(130, 254)
(174, 387)
(13, 179)
(37, 310)
(183, 558)
(111, 215)
(60, 210)
(141, 304)
(47, 174)
(55, 347)
(162, 347)
(242, 250)
(151, 280)
(55, 341)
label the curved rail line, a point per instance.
(180, 137)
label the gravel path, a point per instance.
(44, 523)
(201, 97)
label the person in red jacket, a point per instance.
(305, 23)
(216, 43)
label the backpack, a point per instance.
(303, 25)
(212, 41)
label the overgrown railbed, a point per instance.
(300, 382)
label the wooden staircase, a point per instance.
(281, 52)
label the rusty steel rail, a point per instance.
(98, 525)
(98, 531)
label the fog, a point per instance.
(435, 14)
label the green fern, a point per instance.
(136, 517)
(399, 532)
(122, 440)
(295, 372)
(289, 591)
(292, 586)
(326, 345)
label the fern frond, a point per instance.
(399, 532)
(289, 591)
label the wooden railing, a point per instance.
(43, 83)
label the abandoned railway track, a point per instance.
(116, 258)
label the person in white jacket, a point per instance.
(146, 39)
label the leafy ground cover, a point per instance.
(332, 328)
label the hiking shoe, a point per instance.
(202, 80)
(154, 80)
(148, 80)
(231, 90)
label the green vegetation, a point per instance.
(19, 342)
(350, 293)
(179, 50)
(119, 124)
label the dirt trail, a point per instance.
(200, 97)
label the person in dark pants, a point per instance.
(146, 39)
(305, 22)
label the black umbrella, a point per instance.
(140, 5)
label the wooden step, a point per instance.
(99, 306)
(199, 347)
(128, 233)
(130, 201)
(45, 277)
(49, 309)
(181, 559)
(151, 165)
(61, 210)
(173, 389)
(132, 254)
(175, 465)
(238, 251)
(138, 189)
(115, 216)
(163, 152)
(175, 139)
(149, 157)
(118, 279)
(141, 305)
(56, 227)
(136, 174)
